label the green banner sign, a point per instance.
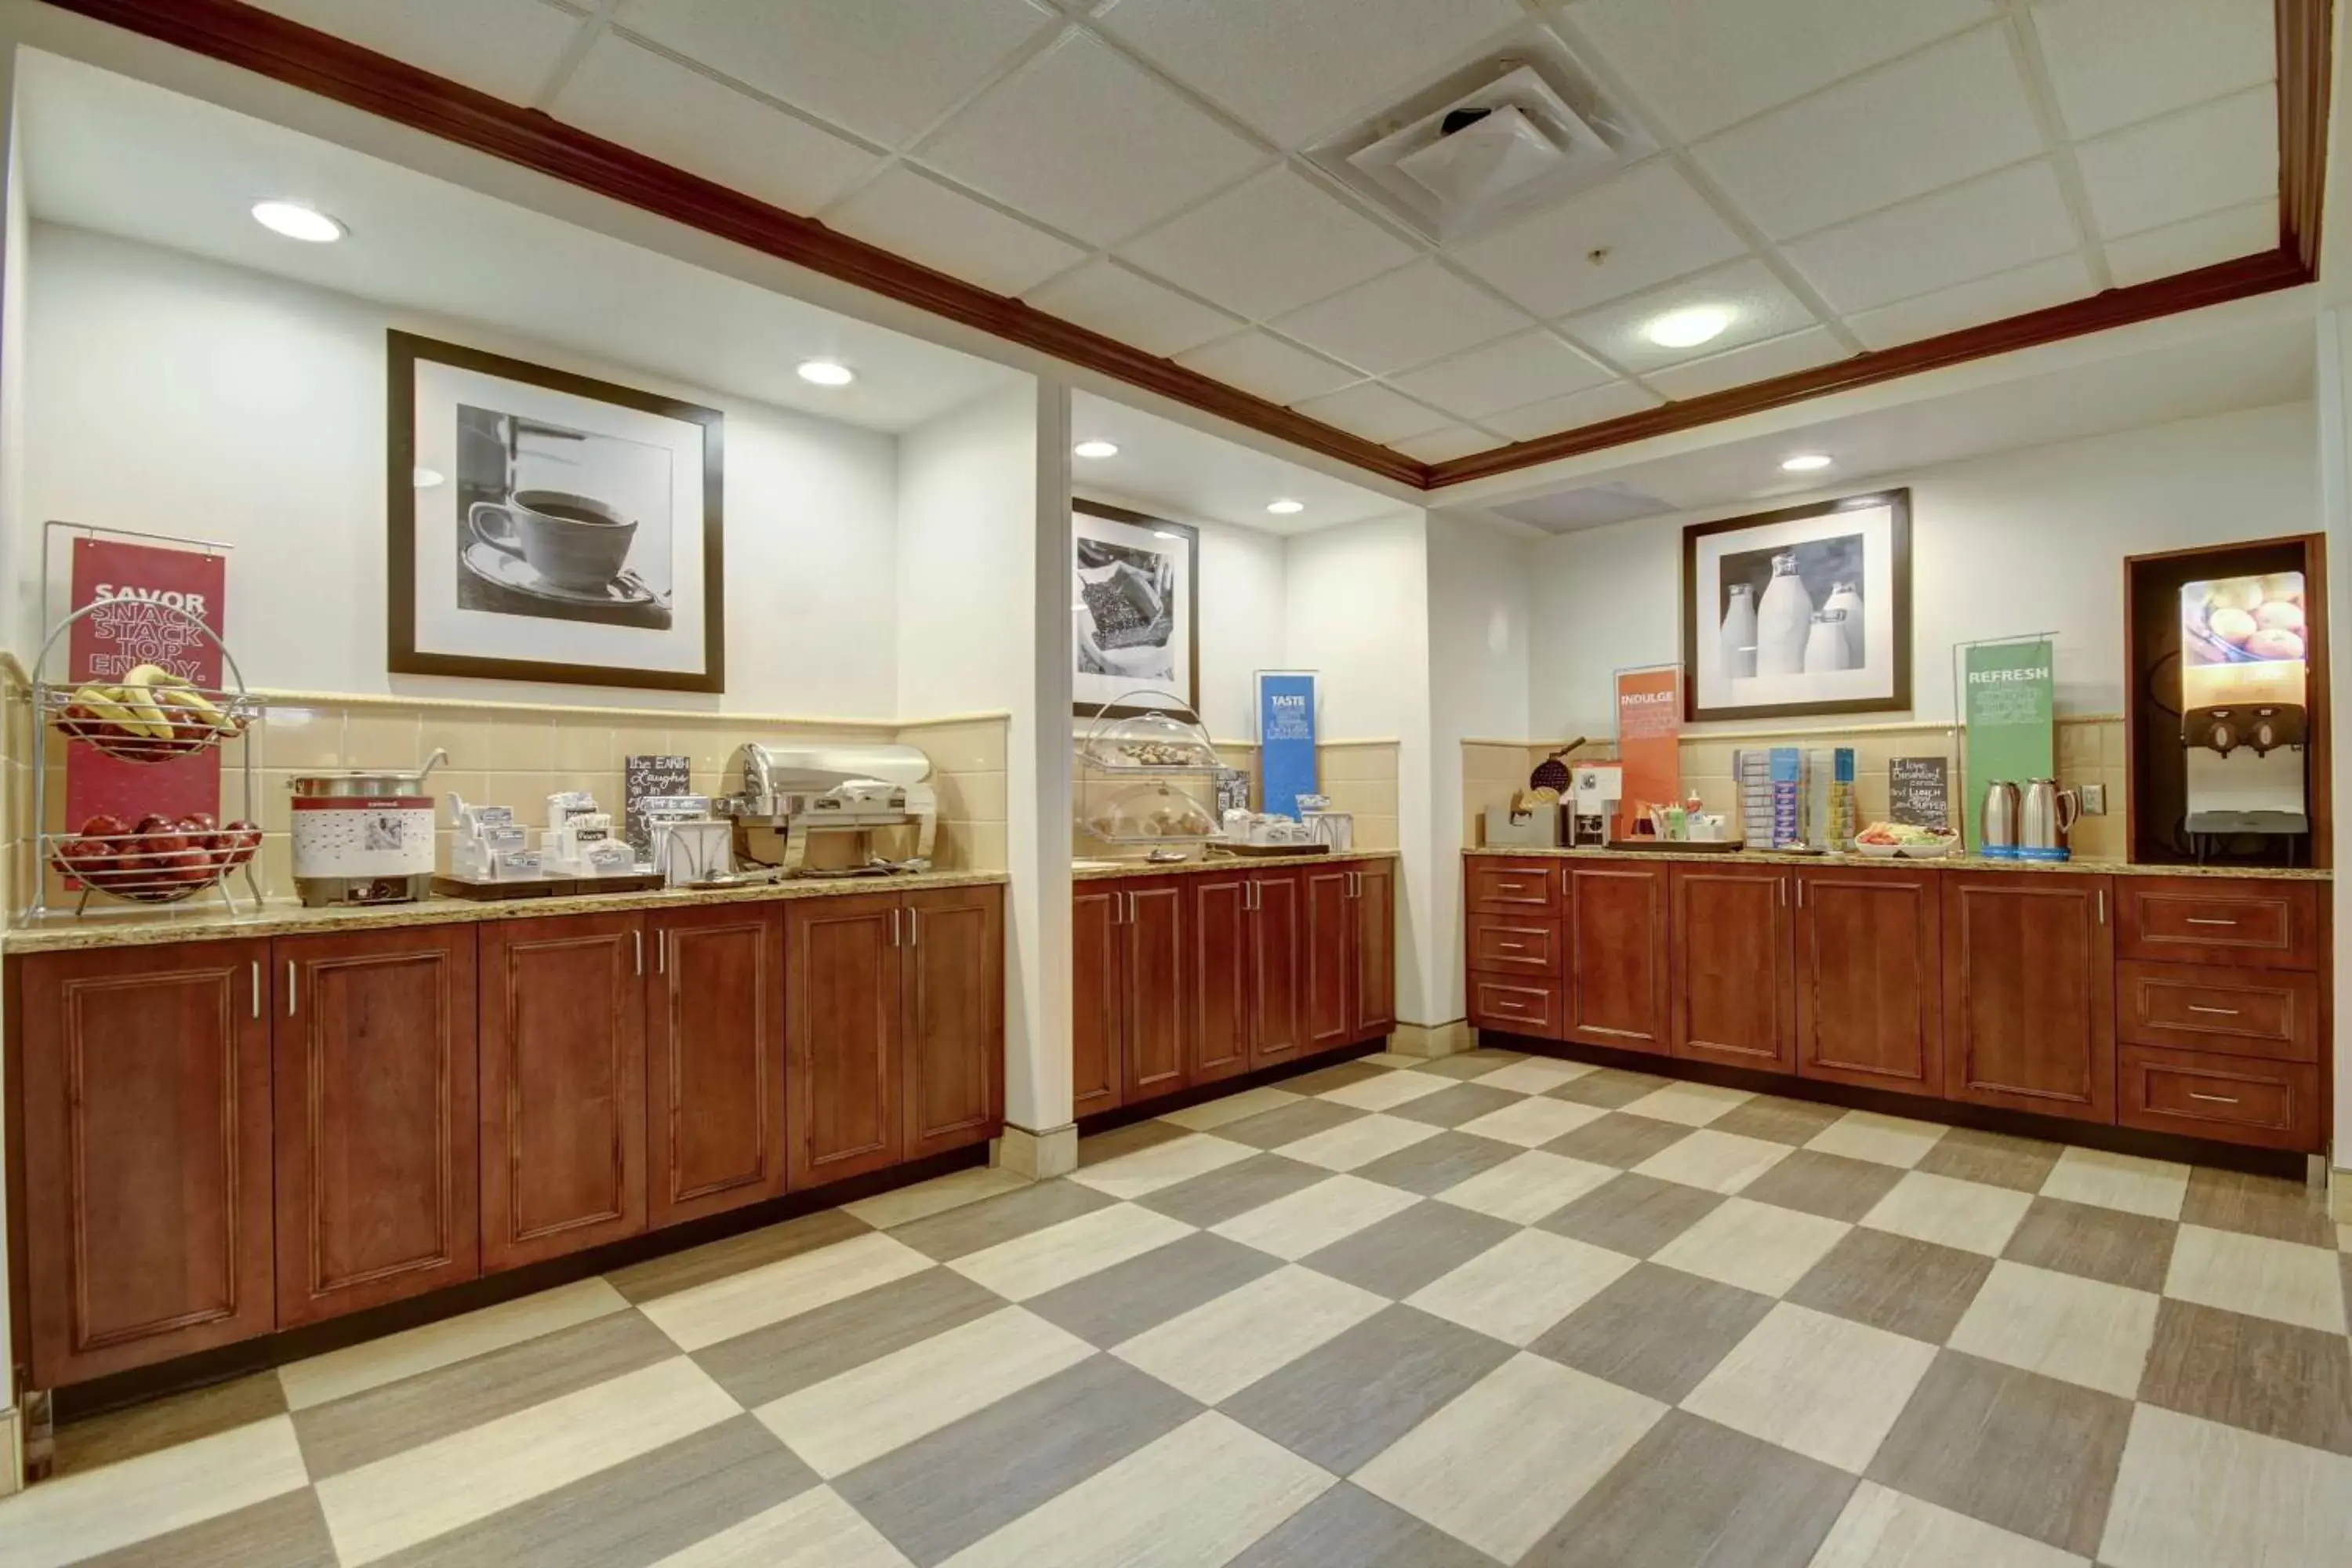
(2011, 716)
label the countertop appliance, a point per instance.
(365, 837)
(1598, 787)
(1997, 828)
(2044, 814)
(793, 791)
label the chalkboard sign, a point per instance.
(644, 778)
(1919, 791)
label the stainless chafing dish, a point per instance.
(794, 791)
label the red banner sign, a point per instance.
(1649, 742)
(145, 593)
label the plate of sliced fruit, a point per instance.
(1888, 839)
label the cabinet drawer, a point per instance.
(2215, 1007)
(1521, 1006)
(2239, 1101)
(2201, 920)
(1513, 886)
(1511, 945)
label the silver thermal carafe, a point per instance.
(1997, 826)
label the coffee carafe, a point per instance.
(1996, 827)
(2045, 814)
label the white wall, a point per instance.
(14, 628)
(2021, 542)
(2332, 432)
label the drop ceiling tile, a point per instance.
(909, 212)
(1300, 68)
(1703, 65)
(1086, 141)
(1440, 445)
(1651, 223)
(2032, 288)
(2116, 61)
(1507, 374)
(1124, 304)
(2221, 235)
(884, 69)
(1761, 307)
(1408, 317)
(1939, 116)
(1260, 362)
(507, 49)
(1757, 362)
(1972, 230)
(2219, 154)
(1269, 245)
(1571, 412)
(654, 105)
(1373, 412)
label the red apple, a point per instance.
(105, 825)
(161, 835)
(87, 859)
(201, 830)
(238, 840)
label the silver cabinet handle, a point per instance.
(914, 926)
(1801, 892)
(2217, 1011)
(661, 951)
(2103, 906)
(2209, 920)
(894, 928)
(638, 938)
(1784, 892)
(1133, 909)
(1512, 946)
(2214, 1099)
(290, 987)
(256, 988)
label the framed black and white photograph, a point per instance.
(1137, 608)
(1801, 611)
(547, 526)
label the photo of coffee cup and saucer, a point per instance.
(554, 545)
(562, 523)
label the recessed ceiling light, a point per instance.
(1688, 328)
(1096, 449)
(296, 221)
(1805, 462)
(1285, 507)
(826, 373)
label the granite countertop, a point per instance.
(1103, 871)
(1950, 862)
(201, 920)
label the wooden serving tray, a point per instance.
(449, 887)
(1677, 846)
(1248, 851)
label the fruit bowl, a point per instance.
(150, 716)
(159, 862)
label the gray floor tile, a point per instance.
(1347, 1399)
(1471, 1064)
(2028, 1453)
(286, 1532)
(1350, 1527)
(960, 1232)
(1126, 1140)
(1619, 1140)
(1609, 1088)
(1633, 1215)
(1895, 1282)
(1829, 1185)
(1995, 1159)
(1655, 1330)
(120, 1434)
(803, 1351)
(2259, 1205)
(1339, 1075)
(1217, 1195)
(1119, 1302)
(2269, 1377)
(1692, 1494)
(1289, 1123)
(938, 1495)
(1452, 1107)
(1399, 1255)
(1777, 1121)
(2096, 1243)
(642, 1282)
(1437, 1164)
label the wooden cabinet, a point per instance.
(1098, 998)
(2270, 1104)
(1217, 936)
(562, 1086)
(2029, 993)
(1869, 977)
(1373, 961)
(1275, 955)
(952, 985)
(1615, 990)
(378, 1176)
(1156, 980)
(144, 1178)
(1330, 895)
(1728, 953)
(844, 1020)
(714, 1059)
(2205, 920)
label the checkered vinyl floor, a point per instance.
(1487, 1309)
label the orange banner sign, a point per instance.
(1649, 742)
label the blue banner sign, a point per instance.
(1286, 739)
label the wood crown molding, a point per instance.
(318, 62)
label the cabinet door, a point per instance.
(1728, 953)
(952, 980)
(1332, 938)
(1157, 972)
(1278, 968)
(563, 1085)
(1097, 1022)
(1615, 991)
(1217, 911)
(378, 1170)
(2029, 993)
(1372, 990)
(146, 1182)
(842, 1023)
(714, 1059)
(1870, 960)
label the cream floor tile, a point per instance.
(1691, 1104)
(1396, 1059)
(2061, 1325)
(2196, 1494)
(1032, 1264)
(874, 1409)
(1969, 1215)
(705, 1314)
(1390, 1091)
(814, 1529)
(1886, 1140)
(426, 1492)
(1884, 1528)
(1527, 1187)
(1232, 1107)
(1521, 1286)
(1718, 1161)
(98, 1510)
(2118, 1182)
(1221, 1347)
(1199, 1495)
(1162, 1165)
(1313, 1217)
(378, 1362)
(904, 1207)
(1501, 1464)
(2259, 1277)
(1533, 1121)
(2344, 1238)
(1357, 1142)
(1535, 1075)
(1822, 1385)
(1757, 1246)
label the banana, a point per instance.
(147, 714)
(155, 675)
(103, 704)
